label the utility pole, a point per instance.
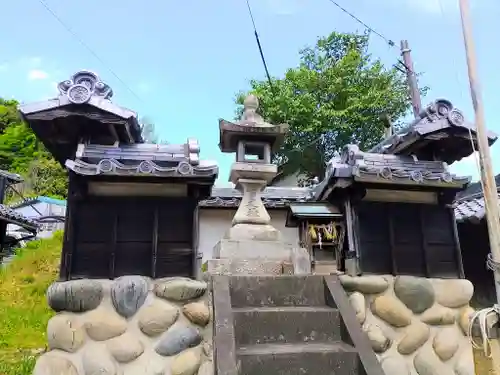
(487, 176)
(411, 78)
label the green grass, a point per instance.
(24, 312)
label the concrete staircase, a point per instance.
(288, 325)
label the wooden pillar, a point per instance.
(487, 177)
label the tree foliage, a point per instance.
(336, 96)
(21, 152)
(148, 131)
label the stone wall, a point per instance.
(129, 326)
(415, 325)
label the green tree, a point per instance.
(148, 131)
(21, 152)
(45, 176)
(337, 95)
(8, 113)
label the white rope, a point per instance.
(482, 317)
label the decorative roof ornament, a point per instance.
(250, 116)
(82, 86)
(442, 109)
(440, 130)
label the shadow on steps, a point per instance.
(287, 325)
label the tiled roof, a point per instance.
(475, 189)
(438, 121)
(14, 217)
(12, 178)
(272, 197)
(469, 205)
(470, 210)
(142, 159)
(368, 167)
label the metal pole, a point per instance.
(487, 176)
(416, 101)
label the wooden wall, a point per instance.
(407, 238)
(107, 237)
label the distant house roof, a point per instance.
(39, 199)
(272, 197)
(12, 178)
(471, 210)
(469, 205)
(12, 217)
(475, 190)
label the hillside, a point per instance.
(24, 312)
(21, 152)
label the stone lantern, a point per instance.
(252, 245)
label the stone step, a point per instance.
(257, 291)
(291, 324)
(298, 359)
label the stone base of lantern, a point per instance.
(251, 256)
(254, 267)
(258, 257)
(253, 232)
(253, 249)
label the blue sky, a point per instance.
(180, 63)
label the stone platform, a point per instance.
(129, 326)
(415, 325)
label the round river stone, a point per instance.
(177, 339)
(391, 310)
(51, 364)
(128, 294)
(180, 289)
(415, 292)
(75, 295)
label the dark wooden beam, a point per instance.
(458, 249)
(424, 241)
(353, 236)
(154, 247)
(70, 229)
(113, 246)
(392, 238)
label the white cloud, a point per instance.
(37, 74)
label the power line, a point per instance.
(371, 29)
(87, 47)
(390, 42)
(259, 45)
